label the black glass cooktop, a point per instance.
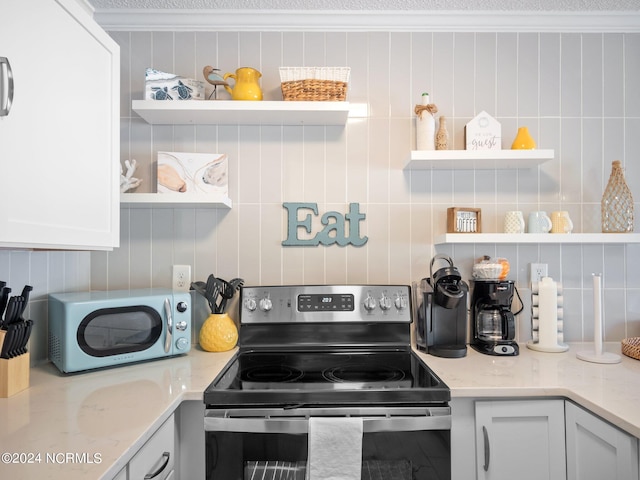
(326, 378)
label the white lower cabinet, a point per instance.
(156, 459)
(521, 439)
(598, 450)
(122, 474)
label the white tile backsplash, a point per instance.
(577, 93)
(46, 272)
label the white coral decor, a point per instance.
(128, 181)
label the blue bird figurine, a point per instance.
(214, 79)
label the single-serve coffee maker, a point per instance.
(441, 304)
(492, 321)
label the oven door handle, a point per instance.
(300, 425)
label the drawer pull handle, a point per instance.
(487, 449)
(151, 475)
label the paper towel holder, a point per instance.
(597, 355)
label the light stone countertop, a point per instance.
(112, 412)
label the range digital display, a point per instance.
(330, 302)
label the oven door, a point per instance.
(398, 442)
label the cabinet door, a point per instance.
(596, 449)
(521, 439)
(122, 475)
(59, 143)
(156, 459)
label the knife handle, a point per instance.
(4, 344)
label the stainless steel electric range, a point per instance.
(326, 351)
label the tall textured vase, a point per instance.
(523, 140)
(617, 203)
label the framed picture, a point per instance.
(192, 173)
(464, 220)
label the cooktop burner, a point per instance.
(361, 372)
(262, 378)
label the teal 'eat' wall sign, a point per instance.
(343, 229)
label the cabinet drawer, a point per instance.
(155, 460)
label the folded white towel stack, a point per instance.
(335, 448)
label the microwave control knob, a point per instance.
(182, 343)
(182, 325)
(400, 302)
(250, 304)
(182, 307)
(385, 302)
(369, 303)
(265, 304)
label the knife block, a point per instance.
(14, 373)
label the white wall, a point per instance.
(577, 93)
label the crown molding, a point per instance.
(366, 21)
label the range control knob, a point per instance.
(400, 302)
(250, 304)
(265, 304)
(182, 307)
(182, 325)
(385, 302)
(369, 303)
(182, 343)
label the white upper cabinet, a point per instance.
(59, 142)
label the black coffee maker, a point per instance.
(492, 321)
(441, 304)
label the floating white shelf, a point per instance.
(161, 200)
(476, 159)
(235, 112)
(552, 238)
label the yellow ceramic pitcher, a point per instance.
(246, 86)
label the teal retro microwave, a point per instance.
(97, 329)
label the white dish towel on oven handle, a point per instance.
(335, 448)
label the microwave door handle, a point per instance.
(169, 317)
(6, 87)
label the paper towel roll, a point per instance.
(335, 448)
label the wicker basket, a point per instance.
(316, 84)
(631, 347)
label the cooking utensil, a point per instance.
(208, 291)
(229, 291)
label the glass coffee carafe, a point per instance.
(494, 324)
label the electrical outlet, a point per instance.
(538, 270)
(181, 278)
